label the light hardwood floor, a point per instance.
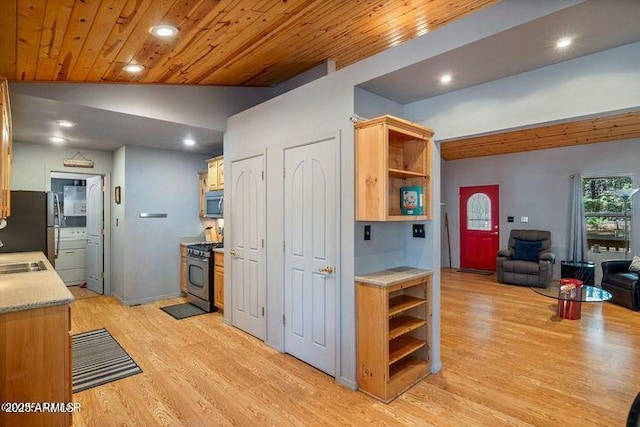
(507, 361)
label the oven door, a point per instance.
(198, 276)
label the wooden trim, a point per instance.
(223, 42)
(614, 127)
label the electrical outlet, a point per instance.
(509, 219)
(367, 232)
(418, 230)
(524, 219)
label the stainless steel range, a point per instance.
(200, 283)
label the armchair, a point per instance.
(528, 260)
(623, 284)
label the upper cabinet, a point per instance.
(393, 170)
(216, 173)
(5, 150)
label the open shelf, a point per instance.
(392, 154)
(393, 333)
(398, 173)
(408, 218)
(406, 371)
(403, 346)
(404, 324)
(403, 303)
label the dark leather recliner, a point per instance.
(622, 283)
(537, 270)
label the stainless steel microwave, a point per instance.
(214, 204)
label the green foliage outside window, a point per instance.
(604, 211)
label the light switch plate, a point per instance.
(367, 232)
(418, 230)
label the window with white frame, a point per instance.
(607, 213)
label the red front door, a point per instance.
(479, 227)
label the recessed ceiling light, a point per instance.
(133, 68)
(189, 141)
(57, 139)
(564, 42)
(65, 123)
(164, 30)
(446, 78)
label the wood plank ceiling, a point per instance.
(220, 42)
(615, 127)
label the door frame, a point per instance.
(338, 253)
(277, 154)
(228, 232)
(459, 215)
(106, 217)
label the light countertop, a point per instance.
(36, 289)
(392, 276)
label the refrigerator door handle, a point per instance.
(59, 224)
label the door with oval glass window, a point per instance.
(479, 227)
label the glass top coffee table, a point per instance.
(570, 303)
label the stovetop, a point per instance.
(206, 246)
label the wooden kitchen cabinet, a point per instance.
(218, 280)
(216, 173)
(183, 269)
(391, 153)
(393, 334)
(5, 150)
(35, 363)
(203, 187)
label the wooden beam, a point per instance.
(587, 131)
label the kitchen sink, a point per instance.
(22, 267)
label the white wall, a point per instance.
(118, 231)
(156, 181)
(203, 106)
(535, 184)
(591, 85)
(31, 169)
(391, 243)
(369, 105)
(33, 164)
(288, 120)
(322, 108)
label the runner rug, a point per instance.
(99, 359)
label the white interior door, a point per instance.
(247, 240)
(95, 235)
(310, 253)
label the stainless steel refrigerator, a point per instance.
(31, 224)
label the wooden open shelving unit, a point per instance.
(391, 153)
(393, 341)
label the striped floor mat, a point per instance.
(99, 359)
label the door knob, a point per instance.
(327, 270)
(232, 252)
(495, 233)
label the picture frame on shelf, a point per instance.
(411, 200)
